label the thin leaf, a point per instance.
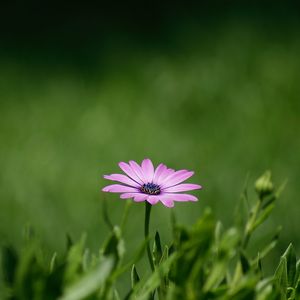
(263, 216)
(281, 277)
(143, 290)
(297, 275)
(53, 262)
(291, 261)
(91, 282)
(134, 276)
(272, 244)
(74, 261)
(218, 233)
(157, 249)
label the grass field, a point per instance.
(224, 103)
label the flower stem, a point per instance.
(148, 207)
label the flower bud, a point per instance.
(264, 185)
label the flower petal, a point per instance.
(180, 197)
(137, 197)
(164, 175)
(122, 178)
(158, 171)
(128, 170)
(118, 188)
(182, 188)
(153, 199)
(140, 197)
(138, 171)
(177, 177)
(128, 195)
(148, 169)
(167, 201)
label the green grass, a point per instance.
(203, 261)
(224, 103)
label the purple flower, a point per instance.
(143, 183)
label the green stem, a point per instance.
(148, 207)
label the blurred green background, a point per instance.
(209, 87)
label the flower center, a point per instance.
(150, 188)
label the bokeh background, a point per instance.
(212, 87)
